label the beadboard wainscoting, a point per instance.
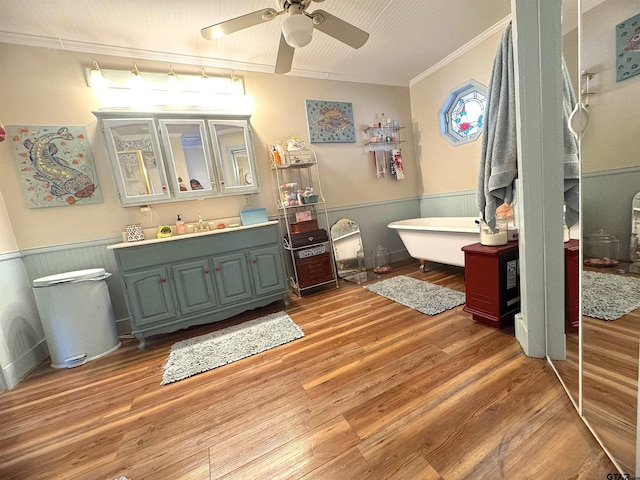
(22, 342)
(602, 192)
(606, 203)
(44, 261)
(373, 219)
(451, 204)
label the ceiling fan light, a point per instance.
(297, 30)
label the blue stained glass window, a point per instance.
(462, 114)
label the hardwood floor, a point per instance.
(373, 391)
(610, 380)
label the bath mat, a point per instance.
(422, 296)
(607, 296)
(213, 350)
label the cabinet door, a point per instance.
(232, 278)
(191, 171)
(193, 283)
(136, 160)
(233, 146)
(266, 266)
(150, 297)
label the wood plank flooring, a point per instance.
(610, 380)
(374, 391)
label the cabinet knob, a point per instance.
(217, 269)
(163, 279)
(206, 270)
(255, 260)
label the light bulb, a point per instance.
(172, 79)
(136, 78)
(96, 78)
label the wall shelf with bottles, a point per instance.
(383, 135)
(303, 219)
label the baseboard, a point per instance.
(21, 366)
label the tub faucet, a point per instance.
(201, 225)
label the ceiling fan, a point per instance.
(297, 28)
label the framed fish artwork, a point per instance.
(330, 122)
(628, 48)
(55, 165)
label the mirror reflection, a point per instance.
(186, 144)
(348, 251)
(141, 169)
(232, 147)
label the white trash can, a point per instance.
(77, 317)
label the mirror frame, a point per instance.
(108, 125)
(156, 122)
(222, 153)
(206, 150)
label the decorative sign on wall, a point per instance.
(628, 48)
(330, 122)
(55, 165)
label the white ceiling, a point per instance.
(407, 37)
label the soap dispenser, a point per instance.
(180, 226)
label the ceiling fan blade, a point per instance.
(239, 23)
(285, 56)
(339, 29)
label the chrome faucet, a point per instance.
(201, 225)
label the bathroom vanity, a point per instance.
(193, 279)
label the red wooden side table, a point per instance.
(492, 283)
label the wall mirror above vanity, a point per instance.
(171, 156)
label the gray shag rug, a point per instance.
(609, 297)
(422, 296)
(215, 349)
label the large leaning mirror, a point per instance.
(610, 328)
(600, 371)
(348, 251)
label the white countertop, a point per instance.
(215, 231)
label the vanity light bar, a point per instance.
(231, 85)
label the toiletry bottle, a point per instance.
(180, 226)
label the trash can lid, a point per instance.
(66, 277)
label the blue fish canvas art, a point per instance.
(55, 165)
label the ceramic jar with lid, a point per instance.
(601, 249)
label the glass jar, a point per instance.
(361, 262)
(601, 249)
(381, 258)
(633, 248)
(498, 236)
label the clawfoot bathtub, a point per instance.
(438, 239)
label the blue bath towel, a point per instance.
(498, 159)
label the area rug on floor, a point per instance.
(422, 296)
(607, 296)
(213, 350)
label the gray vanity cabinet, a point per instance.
(193, 284)
(266, 265)
(150, 296)
(232, 277)
(193, 279)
